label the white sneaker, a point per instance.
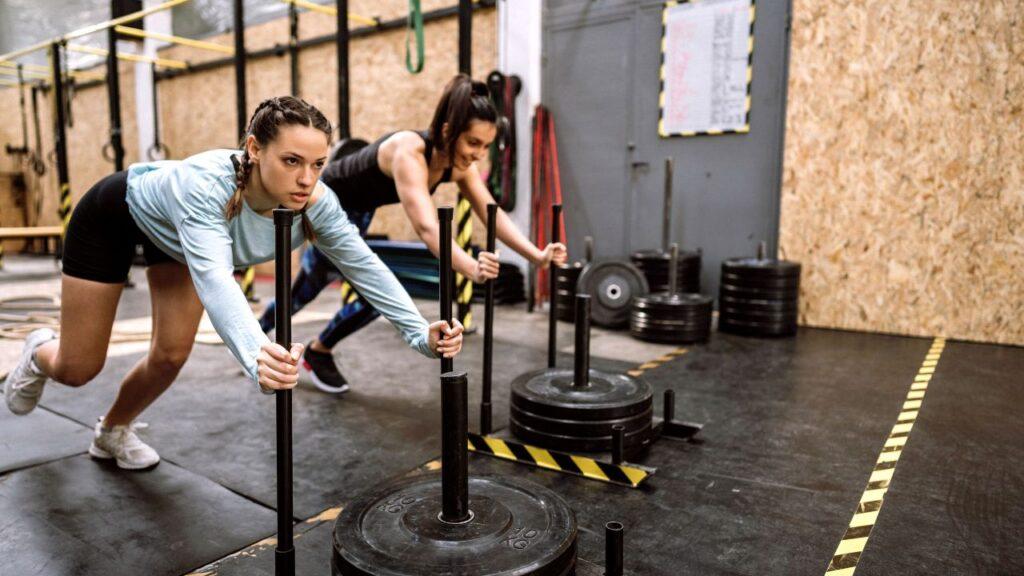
(122, 443)
(24, 385)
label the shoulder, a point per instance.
(405, 141)
(207, 179)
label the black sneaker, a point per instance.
(319, 368)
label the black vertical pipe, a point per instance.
(284, 556)
(673, 269)
(454, 453)
(613, 549)
(485, 398)
(466, 36)
(293, 46)
(581, 354)
(114, 100)
(618, 443)
(444, 272)
(666, 215)
(60, 143)
(241, 114)
(341, 47)
(556, 235)
(588, 254)
(670, 405)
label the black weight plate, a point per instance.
(550, 392)
(671, 337)
(611, 285)
(761, 267)
(756, 328)
(568, 443)
(581, 429)
(775, 283)
(754, 316)
(517, 528)
(676, 326)
(346, 146)
(758, 293)
(670, 315)
(686, 257)
(765, 305)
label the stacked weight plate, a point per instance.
(654, 265)
(576, 409)
(566, 277)
(671, 317)
(759, 296)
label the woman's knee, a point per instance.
(169, 359)
(77, 373)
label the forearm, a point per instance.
(510, 235)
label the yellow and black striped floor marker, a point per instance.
(348, 295)
(630, 475)
(464, 238)
(844, 561)
(249, 283)
(650, 364)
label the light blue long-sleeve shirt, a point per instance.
(180, 205)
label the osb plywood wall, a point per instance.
(197, 111)
(903, 192)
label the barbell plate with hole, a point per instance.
(612, 285)
(761, 267)
(516, 528)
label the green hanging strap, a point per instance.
(414, 26)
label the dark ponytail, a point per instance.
(269, 116)
(463, 101)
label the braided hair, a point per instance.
(463, 101)
(269, 116)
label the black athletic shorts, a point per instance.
(102, 235)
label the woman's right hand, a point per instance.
(486, 267)
(277, 368)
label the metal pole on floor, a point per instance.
(444, 273)
(556, 236)
(60, 141)
(485, 397)
(284, 555)
(114, 102)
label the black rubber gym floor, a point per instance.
(792, 431)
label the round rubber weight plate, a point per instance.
(550, 392)
(516, 528)
(753, 281)
(763, 267)
(612, 285)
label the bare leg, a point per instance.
(86, 318)
(176, 315)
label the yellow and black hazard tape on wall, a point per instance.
(348, 295)
(844, 561)
(624, 474)
(650, 364)
(464, 238)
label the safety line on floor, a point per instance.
(651, 364)
(629, 475)
(844, 561)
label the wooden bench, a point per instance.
(47, 233)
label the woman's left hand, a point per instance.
(554, 252)
(445, 340)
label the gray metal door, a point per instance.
(601, 71)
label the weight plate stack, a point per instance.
(515, 528)
(671, 318)
(565, 290)
(654, 265)
(759, 296)
(612, 285)
(548, 410)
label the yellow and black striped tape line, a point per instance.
(348, 295)
(844, 561)
(662, 74)
(650, 364)
(248, 282)
(464, 238)
(624, 474)
(65, 207)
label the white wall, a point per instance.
(519, 52)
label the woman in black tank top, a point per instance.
(406, 167)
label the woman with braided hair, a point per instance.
(406, 167)
(198, 220)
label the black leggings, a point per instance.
(102, 235)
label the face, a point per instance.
(473, 143)
(290, 164)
